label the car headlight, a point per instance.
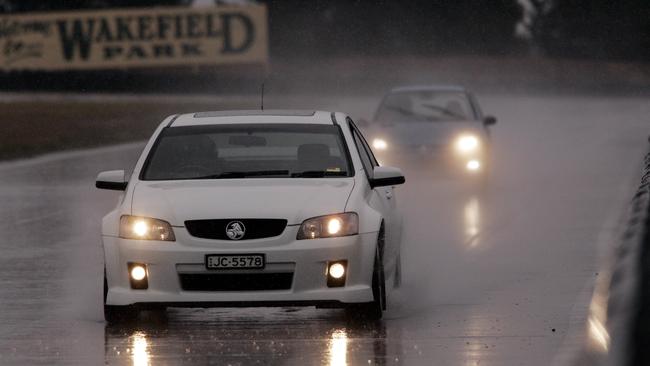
(329, 226)
(379, 144)
(467, 143)
(144, 228)
(473, 165)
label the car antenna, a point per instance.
(262, 96)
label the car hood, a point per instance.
(292, 199)
(424, 133)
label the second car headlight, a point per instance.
(467, 143)
(145, 228)
(379, 144)
(329, 226)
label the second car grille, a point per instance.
(253, 228)
(236, 281)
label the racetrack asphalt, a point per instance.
(496, 277)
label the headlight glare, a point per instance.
(334, 226)
(138, 273)
(144, 228)
(336, 270)
(467, 143)
(379, 144)
(329, 226)
(140, 228)
(473, 165)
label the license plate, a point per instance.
(234, 261)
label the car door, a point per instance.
(386, 197)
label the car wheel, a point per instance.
(374, 310)
(117, 314)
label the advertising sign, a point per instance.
(138, 37)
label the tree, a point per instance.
(533, 22)
(393, 27)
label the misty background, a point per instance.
(336, 46)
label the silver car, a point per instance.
(443, 125)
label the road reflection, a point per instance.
(283, 336)
(139, 349)
(598, 334)
(472, 221)
(338, 348)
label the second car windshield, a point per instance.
(248, 151)
(423, 106)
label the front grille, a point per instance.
(254, 228)
(236, 281)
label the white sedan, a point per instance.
(252, 208)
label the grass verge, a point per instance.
(31, 128)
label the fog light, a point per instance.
(138, 273)
(337, 270)
(138, 276)
(336, 273)
(473, 165)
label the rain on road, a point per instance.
(491, 278)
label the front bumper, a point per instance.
(305, 259)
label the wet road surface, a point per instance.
(490, 278)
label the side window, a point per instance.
(368, 150)
(367, 159)
(364, 143)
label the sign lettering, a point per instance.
(134, 38)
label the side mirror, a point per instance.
(113, 180)
(383, 176)
(489, 120)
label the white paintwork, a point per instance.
(383, 172)
(268, 116)
(111, 176)
(293, 199)
(177, 201)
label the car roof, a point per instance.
(252, 116)
(418, 88)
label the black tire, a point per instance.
(114, 314)
(373, 311)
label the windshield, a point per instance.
(248, 151)
(423, 106)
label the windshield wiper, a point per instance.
(318, 174)
(401, 110)
(409, 113)
(443, 110)
(236, 174)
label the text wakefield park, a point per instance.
(134, 38)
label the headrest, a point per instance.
(199, 145)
